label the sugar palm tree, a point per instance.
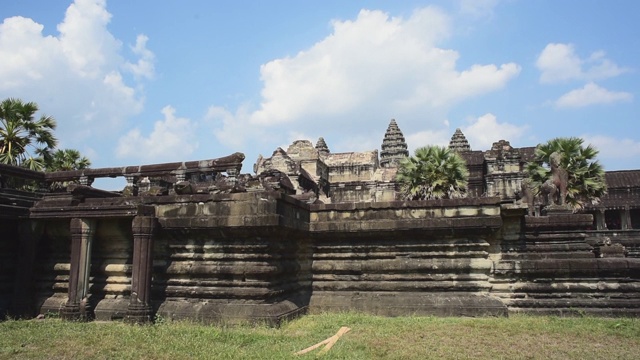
(67, 159)
(25, 141)
(434, 172)
(586, 182)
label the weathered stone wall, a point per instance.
(395, 258)
(8, 257)
(232, 257)
(52, 266)
(546, 265)
(630, 239)
(110, 274)
(111, 266)
(264, 256)
(363, 191)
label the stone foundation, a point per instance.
(264, 257)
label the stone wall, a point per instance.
(546, 265)
(232, 258)
(394, 258)
(51, 268)
(264, 256)
(111, 266)
(9, 242)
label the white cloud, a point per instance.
(85, 41)
(560, 63)
(591, 94)
(428, 137)
(486, 130)
(372, 68)
(77, 75)
(172, 139)
(617, 153)
(477, 8)
(145, 67)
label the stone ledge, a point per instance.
(558, 222)
(442, 224)
(407, 204)
(408, 303)
(223, 312)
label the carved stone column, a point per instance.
(140, 309)
(82, 231)
(22, 304)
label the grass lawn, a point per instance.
(371, 337)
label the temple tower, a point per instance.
(321, 146)
(394, 148)
(459, 142)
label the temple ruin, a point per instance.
(310, 231)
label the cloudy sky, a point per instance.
(137, 82)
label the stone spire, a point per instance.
(322, 147)
(459, 142)
(394, 148)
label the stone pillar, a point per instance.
(82, 231)
(131, 189)
(86, 181)
(625, 218)
(140, 309)
(22, 305)
(600, 223)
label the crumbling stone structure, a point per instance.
(310, 231)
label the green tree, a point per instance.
(25, 141)
(434, 172)
(586, 182)
(67, 159)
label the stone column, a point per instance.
(600, 223)
(82, 231)
(625, 218)
(140, 309)
(22, 304)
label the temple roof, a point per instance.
(622, 179)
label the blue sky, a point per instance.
(138, 82)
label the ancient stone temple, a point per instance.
(322, 148)
(459, 142)
(310, 231)
(505, 167)
(394, 148)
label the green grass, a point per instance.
(371, 337)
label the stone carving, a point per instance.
(526, 195)
(555, 189)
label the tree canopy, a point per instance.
(67, 159)
(586, 182)
(25, 141)
(29, 142)
(434, 172)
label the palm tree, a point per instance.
(586, 182)
(67, 159)
(434, 172)
(25, 141)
